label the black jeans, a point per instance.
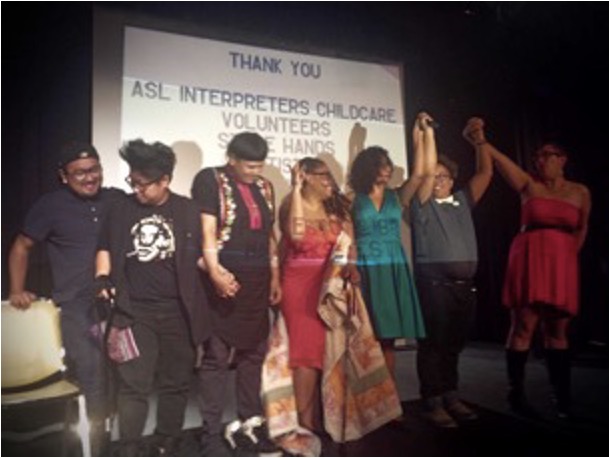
(83, 353)
(213, 380)
(448, 308)
(163, 339)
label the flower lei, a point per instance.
(228, 204)
(227, 209)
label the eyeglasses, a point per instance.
(442, 177)
(81, 174)
(548, 153)
(138, 185)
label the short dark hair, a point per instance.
(153, 160)
(365, 167)
(449, 165)
(248, 146)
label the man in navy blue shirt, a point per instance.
(68, 221)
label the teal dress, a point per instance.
(387, 284)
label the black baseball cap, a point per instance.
(76, 150)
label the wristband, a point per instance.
(101, 283)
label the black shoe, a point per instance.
(165, 446)
(399, 424)
(214, 445)
(251, 437)
(519, 405)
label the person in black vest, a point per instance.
(240, 253)
(445, 259)
(147, 256)
(68, 221)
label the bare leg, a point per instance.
(387, 346)
(555, 330)
(307, 394)
(523, 323)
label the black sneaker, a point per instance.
(214, 445)
(234, 437)
(253, 437)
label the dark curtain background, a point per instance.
(533, 71)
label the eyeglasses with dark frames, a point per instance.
(81, 174)
(138, 185)
(442, 177)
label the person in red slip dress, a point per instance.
(311, 218)
(541, 283)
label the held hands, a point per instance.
(103, 287)
(474, 132)
(22, 300)
(225, 282)
(423, 123)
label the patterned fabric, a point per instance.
(358, 393)
(277, 391)
(279, 403)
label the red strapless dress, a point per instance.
(302, 275)
(543, 259)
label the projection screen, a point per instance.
(194, 93)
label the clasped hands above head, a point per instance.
(474, 131)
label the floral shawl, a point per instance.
(358, 392)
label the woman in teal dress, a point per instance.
(387, 284)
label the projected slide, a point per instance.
(194, 94)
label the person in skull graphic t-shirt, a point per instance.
(147, 253)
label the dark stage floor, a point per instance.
(496, 433)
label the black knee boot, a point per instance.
(515, 365)
(558, 365)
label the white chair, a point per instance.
(33, 369)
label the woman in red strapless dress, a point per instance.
(541, 284)
(311, 217)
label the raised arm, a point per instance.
(292, 214)
(408, 189)
(515, 176)
(475, 135)
(18, 262)
(430, 158)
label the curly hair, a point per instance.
(153, 160)
(366, 166)
(337, 204)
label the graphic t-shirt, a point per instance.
(150, 266)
